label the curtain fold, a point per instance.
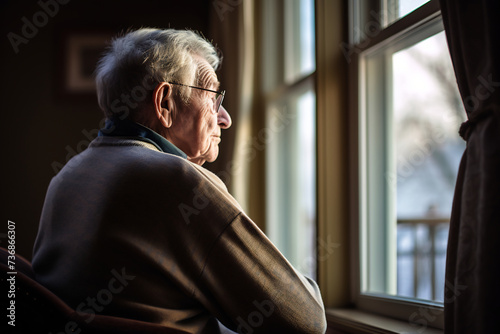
(472, 288)
(232, 31)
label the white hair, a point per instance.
(135, 63)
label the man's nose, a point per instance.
(223, 118)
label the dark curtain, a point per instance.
(472, 291)
(231, 30)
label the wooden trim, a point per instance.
(354, 321)
(419, 16)
(332, 187)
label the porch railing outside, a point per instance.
(421, 257)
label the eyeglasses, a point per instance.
(219, 96)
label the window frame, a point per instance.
(278, 87)
(410, 310)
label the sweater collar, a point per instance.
(116, 127)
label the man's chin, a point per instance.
(213, 155)
(209, 156)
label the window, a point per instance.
(290, 107)
(409, 112)
(397, 9)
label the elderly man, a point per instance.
(134, 227)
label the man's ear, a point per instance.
(163, 103)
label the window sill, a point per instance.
(359, 322)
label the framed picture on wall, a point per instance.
(79, 52)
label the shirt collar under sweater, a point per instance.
(116, 127)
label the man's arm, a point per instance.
(252, 288)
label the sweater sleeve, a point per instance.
(251, 288)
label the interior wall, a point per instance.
(39, 127)
(333, 156)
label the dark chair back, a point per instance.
(38, 310)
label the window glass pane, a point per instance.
(307, 45)
(396, 9)
(412, 152)
(299, 39)
(291, 184)
(407, 6)
(427, 113)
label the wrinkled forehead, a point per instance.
(206, 74)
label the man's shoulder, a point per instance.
(141, 164)
(137, 156)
